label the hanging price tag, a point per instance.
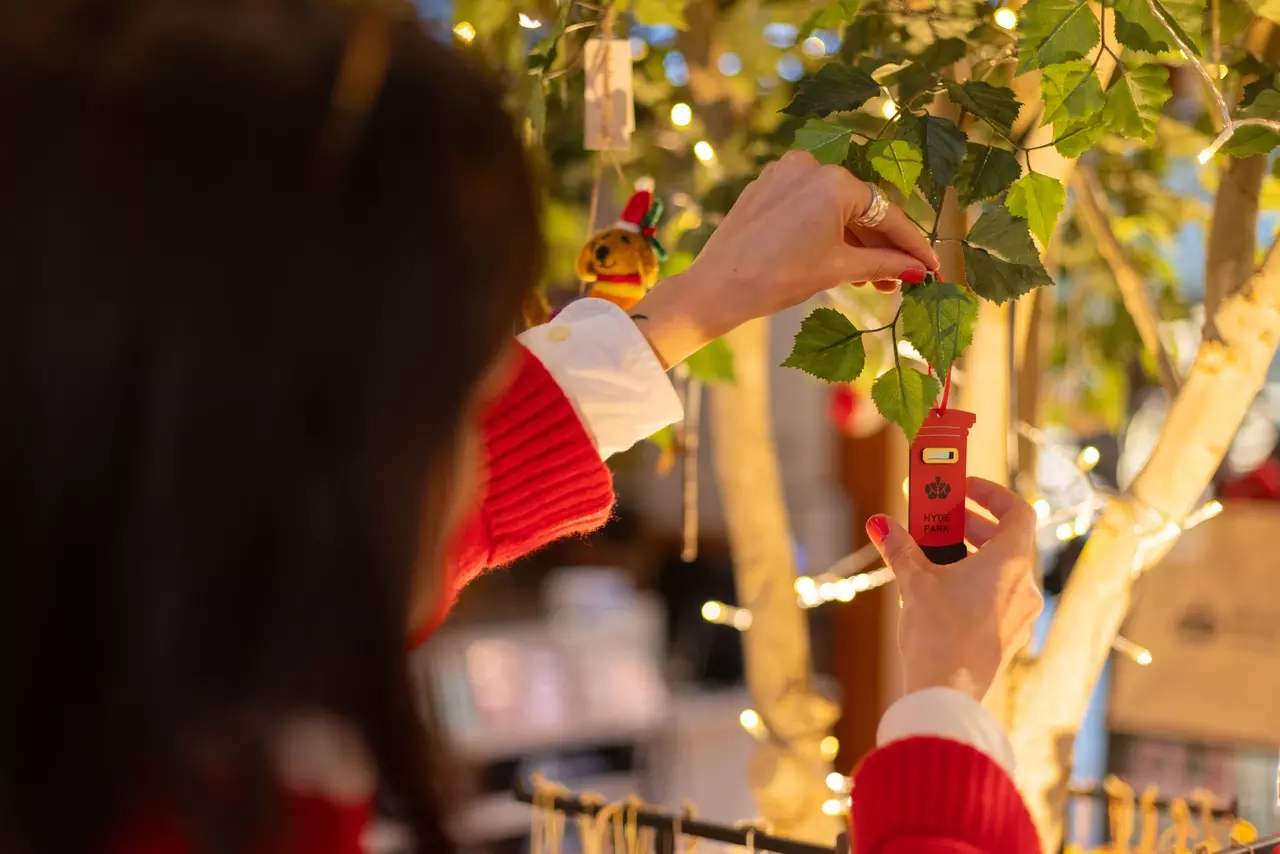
(610, 116)
(937, 489)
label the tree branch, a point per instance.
(1096, 215)
(1203, 418)
(1233, 228)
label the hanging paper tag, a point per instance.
(610, 102)
(936, 496)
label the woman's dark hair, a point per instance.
(241, 317)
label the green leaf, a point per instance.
(1039, 200)
(829, 347)
(655, 13)
(1055, 31)
(859, 163)
(1078, 137)
(836, 87)
(1000, 260)
(996, 104)
(1135, 101)
(1071, 91)
(921, 73)
(713, 363)
(942, 53)
(1254, 88)
(897, 161)
(830, 18)
(1138, 28)
(985, 172)
(1251, 139)
(942, 144)
(938, 320)
(543, 54)
(905, 396)
(827, 141)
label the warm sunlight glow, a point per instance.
(1006, 18)
(888, 109)
(465, 31)
(529, 23)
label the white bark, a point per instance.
(1051, 698)
(787, 773)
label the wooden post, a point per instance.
(865, 658)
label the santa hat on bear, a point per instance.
(641, 215)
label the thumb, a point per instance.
(873, 264)
(899, 550)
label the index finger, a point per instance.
(897, 231)
(1004, 504)
(902, 233)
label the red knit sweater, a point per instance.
(545, 481)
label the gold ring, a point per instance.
(877, 209)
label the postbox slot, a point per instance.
(940, 456)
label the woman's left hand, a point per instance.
(791, 234)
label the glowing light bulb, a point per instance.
(711, 611)
(831, 807)
(741, 619)
(845, 591)
(829, 747)
(835, 781)
(888, 109)
(1088, 458)
(1006, 18)
(1065, 532)
(528, 22)
(681, 115)
(750, 720)
(1143, 657)
(1041, 507)
(703, 151)
(465, 31)
(814, 46)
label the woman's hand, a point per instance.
(790, 235)
(961, 623)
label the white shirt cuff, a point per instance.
(608, 371)
(946, 713)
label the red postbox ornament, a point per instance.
(937, 489)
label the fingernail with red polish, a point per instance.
(911, 276)
(877, 529)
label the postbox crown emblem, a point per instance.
(937, 489)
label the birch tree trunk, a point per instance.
(1052, 696)
(787, 773)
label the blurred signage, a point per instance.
(1210, 614)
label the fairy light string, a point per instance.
(846, 578)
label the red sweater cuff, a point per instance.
(544, 480)
(930, 794)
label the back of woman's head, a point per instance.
(254, 258)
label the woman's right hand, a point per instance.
(792, 233)
(962, 623)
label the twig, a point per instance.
(1133, 290)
